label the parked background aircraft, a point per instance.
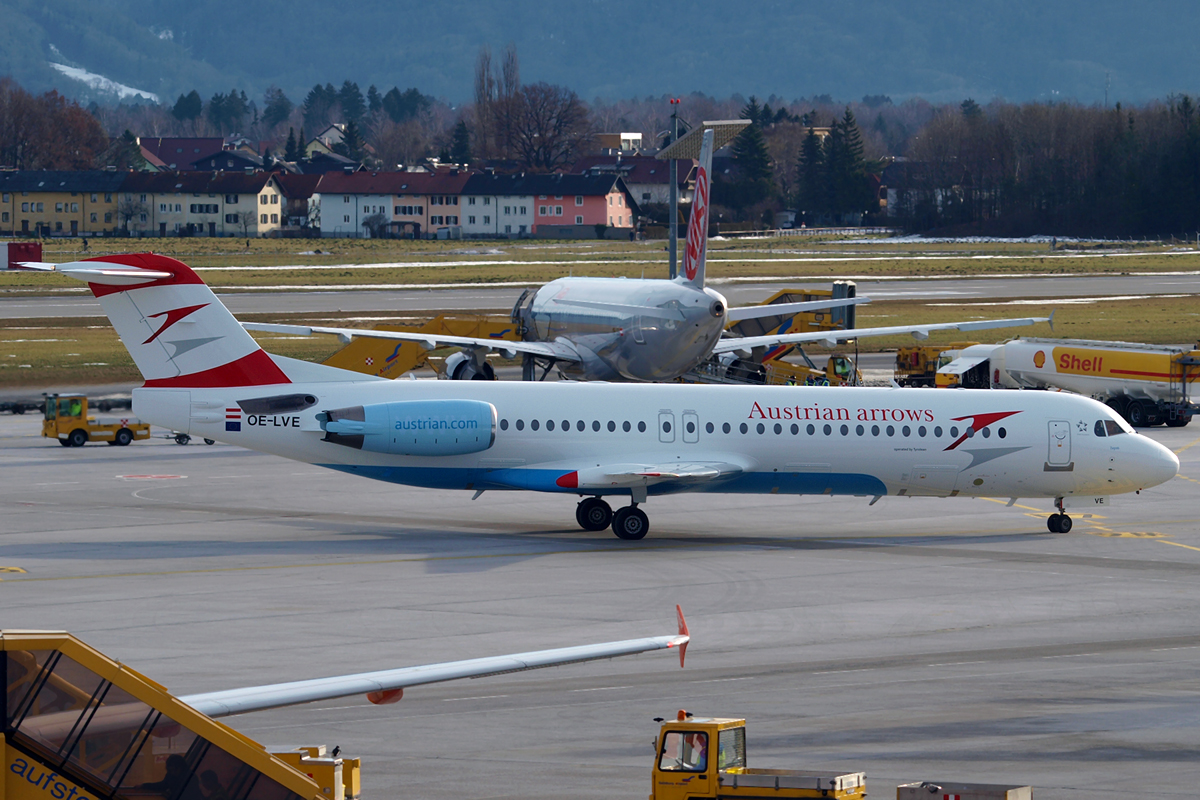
(207, 377)
(637, 330)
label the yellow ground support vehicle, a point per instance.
(68, 420)
(704, 758)
(391, 359)
(918, 365)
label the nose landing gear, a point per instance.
(1060, 522)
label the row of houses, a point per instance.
(449, 203)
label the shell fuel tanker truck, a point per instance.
(1145, 383)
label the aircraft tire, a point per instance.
(593, 514)
(123, 437)
(77, 438)
(630, 523)
(1064, 523)
(1052, 523)
(209, 441)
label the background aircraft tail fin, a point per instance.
(177, 331)
(696, 247)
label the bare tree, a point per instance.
(485, 97)
(550, 127)
(375, 225)
(129, 208)
(245, 220)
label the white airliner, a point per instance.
(640, 330)
(206, 376)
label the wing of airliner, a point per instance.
(560, 350)
(831, 338)
(387, 686)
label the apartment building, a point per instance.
(49, 203)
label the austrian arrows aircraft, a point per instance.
(206, 376)
(615, 329)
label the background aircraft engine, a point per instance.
(413, 427)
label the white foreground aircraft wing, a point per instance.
(624, 476)
(387, 686)
(557, 350)
(830, 338)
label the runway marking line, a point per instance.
(1186, 446)
(1177, 544)
(11, 570)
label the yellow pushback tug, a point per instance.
(705, 758)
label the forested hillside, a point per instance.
(937, 49)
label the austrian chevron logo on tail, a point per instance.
(172, 316)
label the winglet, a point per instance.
(1051, 319)
(684, 637)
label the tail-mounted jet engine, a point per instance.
(413, 427)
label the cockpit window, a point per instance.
(1099, 429)
(1113, 427)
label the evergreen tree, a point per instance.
(351, 145)
(460, 145)
(301, 145)
(353, 105)
(751, 155)
(188, 106)
(849, 192)
(374, 99)
(752, 111)
(317, 105)
(766, 116)
(810, 175)
(276, 107)
(971, 109)
(290, 152)
(401, 106)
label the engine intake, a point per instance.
(413, 427)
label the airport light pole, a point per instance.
(674, 178)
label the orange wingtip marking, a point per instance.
(683, 631)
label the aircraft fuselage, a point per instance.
(634, 330)
(777, 440)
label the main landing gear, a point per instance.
(1060, 522)
(630, 522)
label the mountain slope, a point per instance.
(941, 50)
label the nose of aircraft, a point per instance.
(1156, 464)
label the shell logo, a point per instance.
(1039, 359)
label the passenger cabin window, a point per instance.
(684, 752)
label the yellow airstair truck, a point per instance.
(80, 726)
(704, 758)
(69, 420)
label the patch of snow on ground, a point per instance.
(103, 84)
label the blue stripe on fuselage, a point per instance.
(543, 480)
